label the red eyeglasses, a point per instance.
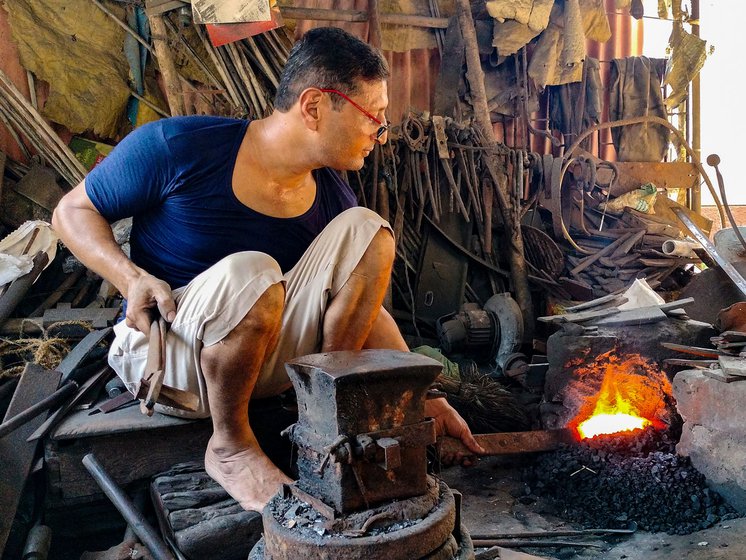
(382, 128)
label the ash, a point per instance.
(299, 516)
(611, 481)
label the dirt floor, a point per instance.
(490, 506)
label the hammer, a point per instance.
(151, 389)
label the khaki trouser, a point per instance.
(212, 304)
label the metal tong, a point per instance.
(150, 389)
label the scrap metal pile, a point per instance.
(589, 227)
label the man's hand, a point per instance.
(448, 422)
(145, 294)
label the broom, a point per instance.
(484, 403)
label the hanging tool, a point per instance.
(713, 160)
(151, 389)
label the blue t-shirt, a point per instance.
(173, 176)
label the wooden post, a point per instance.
(510, 212)
(374, 24)
(174, 94)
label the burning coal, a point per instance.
(633, 394)
(612, 480)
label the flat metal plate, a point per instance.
(16, 454)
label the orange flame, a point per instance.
(611, 418)
(631, 396)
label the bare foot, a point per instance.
(247, 475)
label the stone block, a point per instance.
(714, 431)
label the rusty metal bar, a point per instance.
(510, 442)
(124, 505)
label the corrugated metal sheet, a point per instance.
(414, 74)
(10, 64)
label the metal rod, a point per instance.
(71, 167)
(508, 543)
(714, 160)
(60, 395)
(150, 104)
(220, 66)
(124, 26)
(551, 533)
(124, 505)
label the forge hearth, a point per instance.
(630, 476)
(579, 359)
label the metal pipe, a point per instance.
(38, 543)
(124, 505)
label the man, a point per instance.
(250, 246)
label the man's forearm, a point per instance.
(88, 235)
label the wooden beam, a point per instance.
(321, 14)
(166, 66)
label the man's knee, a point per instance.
(248, 264)
(360, 214)
(266, 313)
(383, 246)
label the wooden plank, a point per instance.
(664, 208)
(393, 18)
(158, 7)
(653, 224)
(667, 175)
(16, 454)
(625, 247)
(196, 514)
(126, 444)
(99, 318)
(586, 262)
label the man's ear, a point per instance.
(310, 103)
